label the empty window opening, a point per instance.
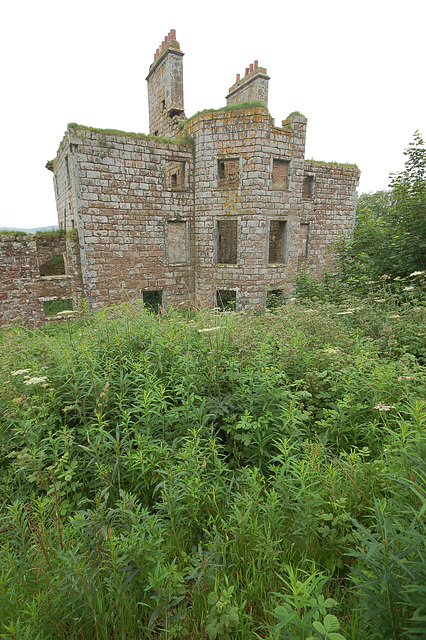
(52, 307)
(274, 298)
(67, 166)
(226, 300)
(73, 147)
(156, 133)
(176, 242)
(304, 240)
(153, 300)
(280, 173)
(54, 266)
(227, 241)
(308, 187)
(277, 242)
(175, 112)
(163, 104)
(228, 172)
(175, 174)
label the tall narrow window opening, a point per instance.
(227, 241)
(277, 242)
(67, 167)
(304, 241)
(176, 242)
(308, 187)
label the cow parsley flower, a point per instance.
(384, 407)
(32, 381)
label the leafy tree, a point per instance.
(390, 232)
(408, 214)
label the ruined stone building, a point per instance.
(220, 207)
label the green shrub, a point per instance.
(149, 461)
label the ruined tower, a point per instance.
(165, 88)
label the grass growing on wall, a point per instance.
(216, 476)
(230, 107)
(6, 232)
(128, 134)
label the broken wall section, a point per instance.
(23, 290)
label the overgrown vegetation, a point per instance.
(6, 232)
(387, 254)
(333, 163)
(129, 134)
(390, 235)
(31, 234)
(220, 475)
(250, 104)
(295, 113)
(51, 307)
(50, 232)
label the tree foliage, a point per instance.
(390, 232)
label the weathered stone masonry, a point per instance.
(222, 204)
(23, 288)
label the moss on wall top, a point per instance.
(337, 164)
(230, 107)
(295, 113)
(127, 134)
(7, 232)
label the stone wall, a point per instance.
(330, 212)
(238, 210)
(253, 202)
(125, 198)
(22, 289)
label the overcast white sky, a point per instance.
(355, 69)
